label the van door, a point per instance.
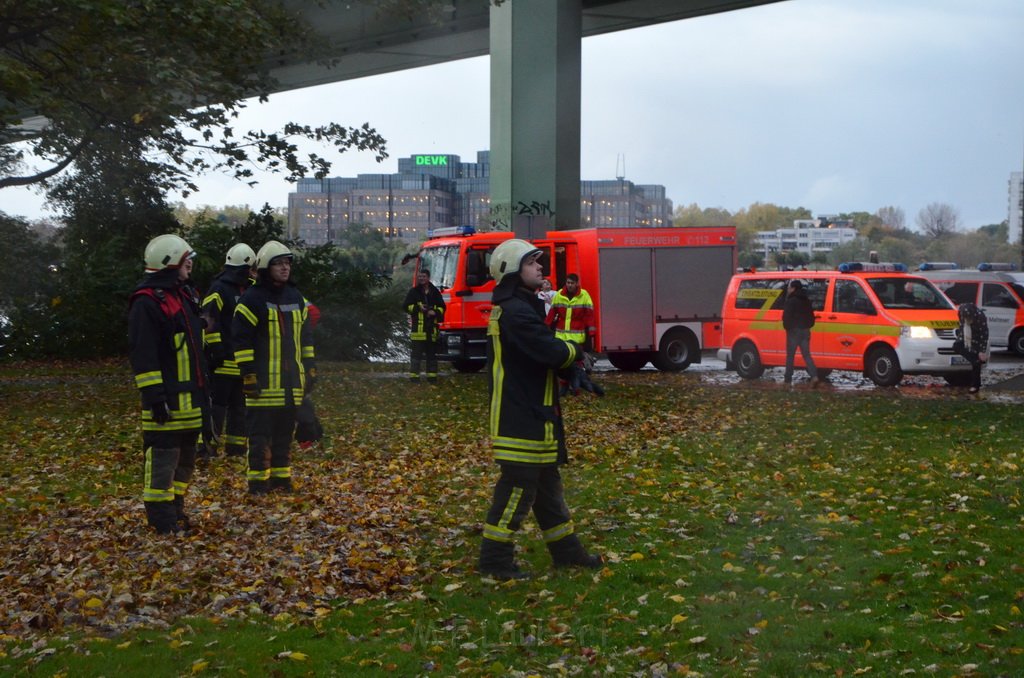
(846, 327)
(1001, 310)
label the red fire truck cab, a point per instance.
(657, 292)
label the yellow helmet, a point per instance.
(166, 251)
(508, 257)
(240, 255)
(272, 250)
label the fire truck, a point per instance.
(657, 292)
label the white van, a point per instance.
(998, 293)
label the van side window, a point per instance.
(960, 292)
(761, 294)
(850, 297)
(997, 296)
(816, 290)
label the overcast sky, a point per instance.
(832, 105)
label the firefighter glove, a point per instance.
(161, 413)
(250, 385)
(310, 379)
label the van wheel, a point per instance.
(747, 361)
(628, 362)
(678, 349)
(883, 367)
(1017, 342)
(468, 366)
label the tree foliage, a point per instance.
(168, 78)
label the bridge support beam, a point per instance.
(535, 115)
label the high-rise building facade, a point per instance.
(434, 191)
(1016, 206)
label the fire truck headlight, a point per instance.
(917, 332)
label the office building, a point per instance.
(807, 236)
(433, 191)
(1016, 207)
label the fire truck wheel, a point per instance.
(468, 366)
(747, 361)
(677, 350)
(882, 366)
(628, 362)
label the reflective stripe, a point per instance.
(150, 493)
(280, 471)
(180, 488)
(247, 314)
(496, 533)
(235, 440)
(188, 419)
(245, 355)
(148, 379)
(211, 338)
(215, 299)
(558, 532)
(258, 474)
(510, 507)
(526, 457)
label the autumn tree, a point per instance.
(938, 220)
(693, 216)
(166, 77)
(892, 217)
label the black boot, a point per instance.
(162, 516)
(259, 487)
(569, 552)
(179, 510)
(281, 485)
(497, 561)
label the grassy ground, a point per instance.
(748, 530)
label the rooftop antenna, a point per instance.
(620, 166)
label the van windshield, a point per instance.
(908, 293)
(441, 262)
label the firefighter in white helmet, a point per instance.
(273, 344)
(228, 402)
(165, 350)
(523, 356)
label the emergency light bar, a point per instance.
(450, 231)
(990, 266)
(938, 266)
(855, 266)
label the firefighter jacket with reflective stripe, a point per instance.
(165, 335)
(572, 317)
(523, 357)
(219, 308)
(417, 303)
(274, 341)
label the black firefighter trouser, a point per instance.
(421, 349)
(518, 490)
(270, 440)
(229, 404)
(170, 463)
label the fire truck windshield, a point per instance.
(441, 262)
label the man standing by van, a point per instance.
(798, 319)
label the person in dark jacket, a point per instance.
(165, 350)
(274, 352)
(219, 306)
(426, 308)
(526, 428)
(798, 319)
(972, 340)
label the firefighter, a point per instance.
(274, 351)
(219, 307)
(165, 351)
(426, 308)
(572, 317)
(526, 428)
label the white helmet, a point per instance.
(508, 257)
(166, 251)
(240, 255)
(272, 250)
